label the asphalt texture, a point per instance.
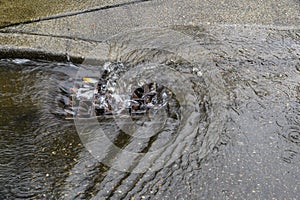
(77, 27)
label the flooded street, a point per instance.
(235, 133)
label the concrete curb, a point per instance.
(15, 45)
(64, 49)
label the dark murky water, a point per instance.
(238, 132)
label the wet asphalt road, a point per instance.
(259, 159)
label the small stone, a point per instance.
(199, 73)
(195, 69)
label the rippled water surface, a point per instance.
(235, 134)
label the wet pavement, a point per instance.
(238, 133)
(101, 24)
(36, 10)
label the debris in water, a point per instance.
(96, 97)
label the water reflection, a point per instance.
(237, 139)
(36, 146)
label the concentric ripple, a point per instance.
(168, 58)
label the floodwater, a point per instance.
(235, 134)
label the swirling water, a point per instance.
(236, 134)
